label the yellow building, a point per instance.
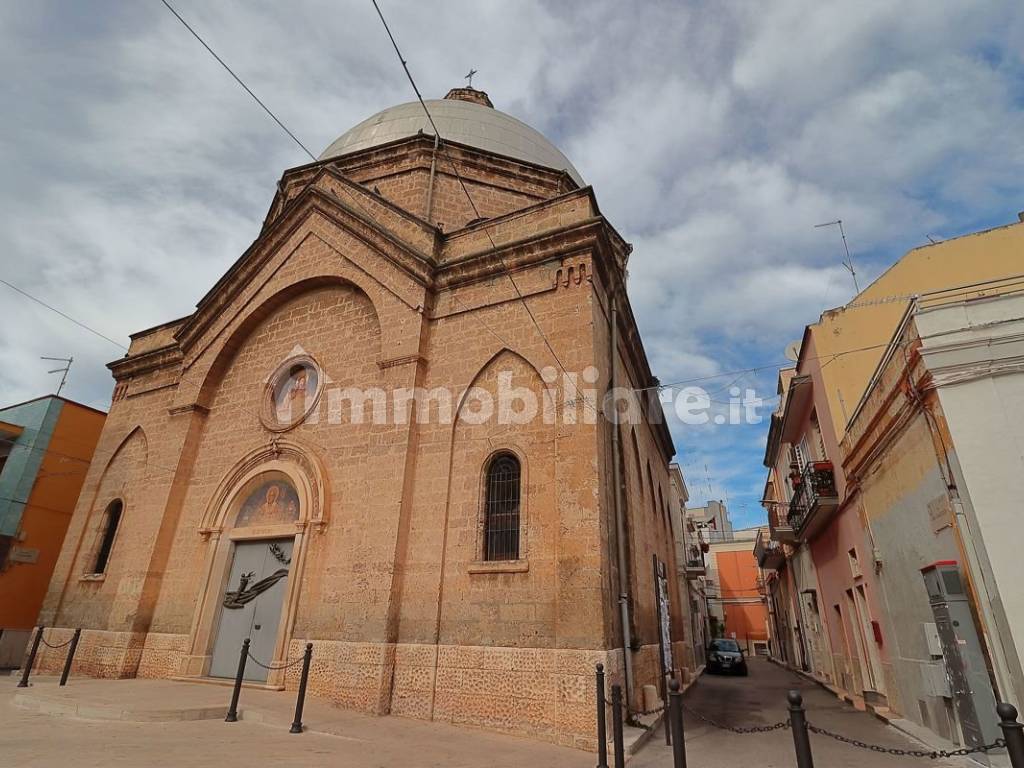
(853, 338)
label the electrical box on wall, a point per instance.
(935, 680)
(931, 639)
(962, 656)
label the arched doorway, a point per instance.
(257, 584)
(262, 513)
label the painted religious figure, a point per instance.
(271, 503)
(293, 394)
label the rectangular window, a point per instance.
(854, 562)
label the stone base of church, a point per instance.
(99, 654)
(542, 693)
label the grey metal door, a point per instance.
(962, 653)
(251, 606)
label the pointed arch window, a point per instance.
(111, 520)
(501, 508)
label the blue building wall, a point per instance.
(38, 419)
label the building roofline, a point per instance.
(854, 304)
(53, 397)
(158, 327)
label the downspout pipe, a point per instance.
(430, 184)
(620, 522)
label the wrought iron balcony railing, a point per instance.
(694, 559)
(817, 487)
(768, 552)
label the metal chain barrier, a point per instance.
(271, 667)
(55, 647)
(1012, 740)
(739, 728)
(931, 754)
(642, 712)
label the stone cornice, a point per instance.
(409, 260)
(145, 362)
(528, 251)
(415, 152)
(562, 226)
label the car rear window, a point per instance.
(725, 645)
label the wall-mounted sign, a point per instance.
(23, 555)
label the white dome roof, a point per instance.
(463, 122)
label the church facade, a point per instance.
(384, 432)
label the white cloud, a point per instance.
(715, 134)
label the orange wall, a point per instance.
(48, 512)
(737, 579)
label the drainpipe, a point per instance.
(620, 523)
(430, 185)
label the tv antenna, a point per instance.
(849, 259)
(63, 371)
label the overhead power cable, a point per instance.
(472, 203)
(769, 366)
(79, 323)
(280, 123)
(237, 79)
(519, 294)
(494, 248)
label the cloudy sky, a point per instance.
(716, 134)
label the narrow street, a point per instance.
(760, 699)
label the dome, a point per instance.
(465, 122)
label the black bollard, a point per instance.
(70, 658)
(1013, 733)
(602, 726)
(675, 713)
(23, 683)
(619, 747)
(232, 716)
(301, 699)
(798, 722)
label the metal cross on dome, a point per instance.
(469, 77)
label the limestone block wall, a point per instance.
(351, 675)
(162, 654)
(543, 693)
(100, 653)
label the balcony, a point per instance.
(778, 523)
(814, 500)
(694, 561)
(768, 553)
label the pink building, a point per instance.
(824, 568)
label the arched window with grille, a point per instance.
(501, 508)
(111, 519)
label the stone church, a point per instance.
(326, 451)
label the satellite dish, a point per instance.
(792, 352)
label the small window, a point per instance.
(951, 580)
(854, 562)
(501, 509)
(111, 519)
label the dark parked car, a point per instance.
(725, 655)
